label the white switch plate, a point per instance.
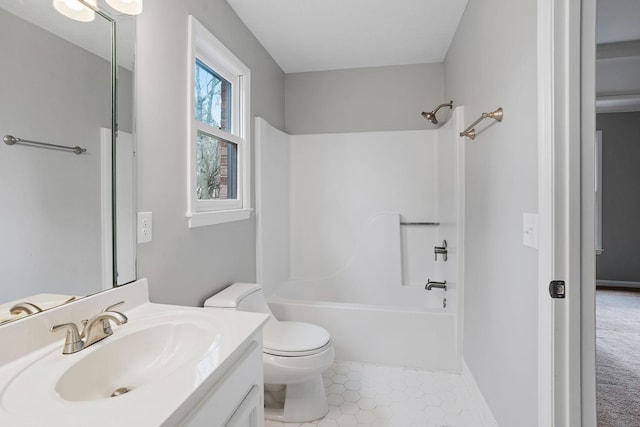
(530, 230)
(145, 227)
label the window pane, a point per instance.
(213, 98)
(217, 174)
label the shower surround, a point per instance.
(334, 247)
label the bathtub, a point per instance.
(400, 329)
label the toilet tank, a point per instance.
(240, 296)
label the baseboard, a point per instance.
(617, 284)
(477, 399)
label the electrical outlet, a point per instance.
(145, 227)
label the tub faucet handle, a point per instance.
(442, 250)
(433, 284)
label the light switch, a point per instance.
(530, 230)
(145, 227)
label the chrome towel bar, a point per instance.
(12, 140)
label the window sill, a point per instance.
(202, 219)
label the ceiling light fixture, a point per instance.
(130, 7)
(85, 10)
(75, 10)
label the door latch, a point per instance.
(557, 289)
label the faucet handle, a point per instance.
(84, 328)
(433, 284)
(106, 325)
(72, 342)
(98, 327)
(442, 250)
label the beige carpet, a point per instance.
(618, 358)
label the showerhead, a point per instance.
(431, 115)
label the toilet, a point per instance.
(294, 355)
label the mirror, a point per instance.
(56, 210)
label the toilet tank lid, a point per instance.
(232, 295)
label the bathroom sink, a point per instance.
(123, 365)
(155, 370)
(147, 353)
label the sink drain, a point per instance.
(120, 391)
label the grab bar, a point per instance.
(12, 140)
(418, 223)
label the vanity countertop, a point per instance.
(37, 386)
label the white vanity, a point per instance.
(166, 366)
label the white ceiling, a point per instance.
(618, 21)
(313, 35)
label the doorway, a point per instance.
(617, 207)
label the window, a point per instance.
(219, 149)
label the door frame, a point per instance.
(566, 133)
(588, 218)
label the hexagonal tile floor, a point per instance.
(361, 394)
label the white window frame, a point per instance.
(209, 50)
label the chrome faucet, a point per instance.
(93, 330)
(440, 285)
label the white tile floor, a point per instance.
(361, 394)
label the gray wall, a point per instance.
(618, 75)
(186, 265)
(363, 99)
(56, 92)
(500, 297)
(620, 197)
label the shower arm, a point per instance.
(449, 104)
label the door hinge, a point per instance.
(557, 289)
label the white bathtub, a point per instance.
(398, 331)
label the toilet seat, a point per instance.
(294, 339)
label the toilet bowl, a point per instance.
(294, 356)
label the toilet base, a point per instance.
(303, 402)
